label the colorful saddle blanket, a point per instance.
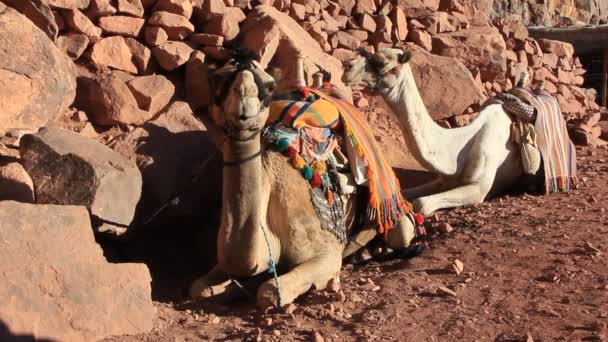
(558, 153)
(328, 110)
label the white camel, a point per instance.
(472, 162)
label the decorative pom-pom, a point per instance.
(307, 172)
(298, 162)
(316, 181)
(291, 152)
(282, 145)
(419, 219)
(320, 167)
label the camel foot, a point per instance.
(268, 296)
(215, 285)
(422, 205)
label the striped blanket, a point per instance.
(298, 114)
(559, 155)
(386, 204)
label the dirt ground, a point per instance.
(533, 270)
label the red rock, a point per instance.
(206, 39)
(344, 40)
(217, 53)
(236, 14)
(97, 177)
(176, 26)
(421, 38)
(342, 20)
(536, 61)
(297, 11)
(446, 86)
(79, 22)
(578, 93)
(113, 52)
(43, 292)
(198, 93)
(384, 25)
(333, 9)
(69, 4)
(418, 8)
(522, 57)
(550, 60)
(365, 6)
(100, 8)
(121, 25)
(155, 35)
(360, 35)
(152, 93)
(346, 6)
(344, 54)
(511, 56)
(564, 76)
(578, 80)
(415, 25)
(331, 25)
(179, 7)
(39, 12)
(399, 20)
(481, 47)
(141, 56)
(171, 55)
(225, 26)
(131, 7)
(516, 30)
(451, 6)
(548, 75)
(561, 49)
(366, 22)
(273, 35)
(108, 101)
(361, 102)
(550, 87)
(38, 81)
(15, 182)
(213, 8)
(73, 44)
(437, 22)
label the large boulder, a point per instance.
(39, 12)
(37, 81)
(109, 101)
(278, 39)
(477, 47)
(170, 151)
(68, 168)
(56, 284)
(446, 86)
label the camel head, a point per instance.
(242, 90)
(378, 71)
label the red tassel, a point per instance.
(316, 181)
(330, 197)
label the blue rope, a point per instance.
(272, 266)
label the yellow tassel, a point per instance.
(320, 167)
(298, 162)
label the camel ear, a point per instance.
(405, 57)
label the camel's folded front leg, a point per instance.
(215, 285)
(317, 271)
(432, 187)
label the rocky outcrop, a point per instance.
(37, 80)
(68, 168)
(551, 12)
(56, 284)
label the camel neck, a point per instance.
(241, 202)
(423, 136)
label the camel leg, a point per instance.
(478, 179)
(317, 271)
(402, 234)
(425, 189)
(214, 285)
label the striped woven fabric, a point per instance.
(386, 204)
(299, 114)
(559, 155)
